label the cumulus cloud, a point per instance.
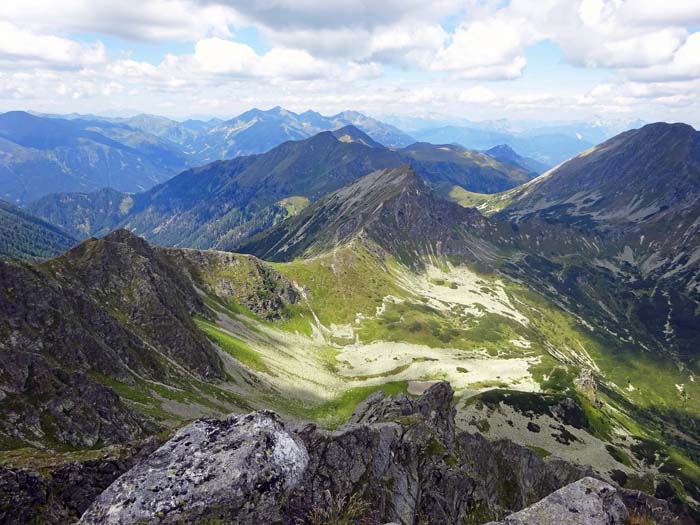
(20, 48)
(286, 15)
(684, 64)
(144, 20)
(352, 54)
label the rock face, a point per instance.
(241, 278)
(60, 493)
(236, 469)
(586, 502)
(398, 460)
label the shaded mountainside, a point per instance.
(86, 335)
(84, 214)
(222, 204)
(25, 236)
(446, 166)
(41, 155)
(638, 197)
(392, 208)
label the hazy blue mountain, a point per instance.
(544, 145)
(507, 155)
(258, 131)
(40, 155)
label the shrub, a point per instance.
(340, 510)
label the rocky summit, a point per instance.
(398, 460)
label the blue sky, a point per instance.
(613, 60)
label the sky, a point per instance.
(550, 60)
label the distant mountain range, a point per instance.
(223, 203)
(41, 155)
(547, 147)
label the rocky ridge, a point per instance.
(398, 460)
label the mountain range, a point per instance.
(39, 156)
(221, 204)
(563, 310)
(43, 154)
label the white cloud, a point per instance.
(684, 65)
(284, 15)
(20, 48)
(146, 20)
(485, 49)
(223, 56)
(655, 12)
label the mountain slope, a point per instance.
(446, 166)
(639, 195)
(84, 214)
(41, 155)
(224, 203)
(103, 344)
(640, 189)
(392, 208)
(25, 236)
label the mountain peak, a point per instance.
(392, 209)
(637, 176)
(351, 133)
(503, 150)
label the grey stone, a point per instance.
(239, 468)
(588, 501)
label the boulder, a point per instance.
(211, 471)
(588, 501)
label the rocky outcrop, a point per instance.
(588, 501)
(398, 460)
(241, 278)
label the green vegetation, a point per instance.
(293, 205)
(342, 283)
(341, 511)
(337, 411)
(540, 451)
(487, 203)
(233, 346)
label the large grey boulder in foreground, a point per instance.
(588, 501)
(210, 470)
